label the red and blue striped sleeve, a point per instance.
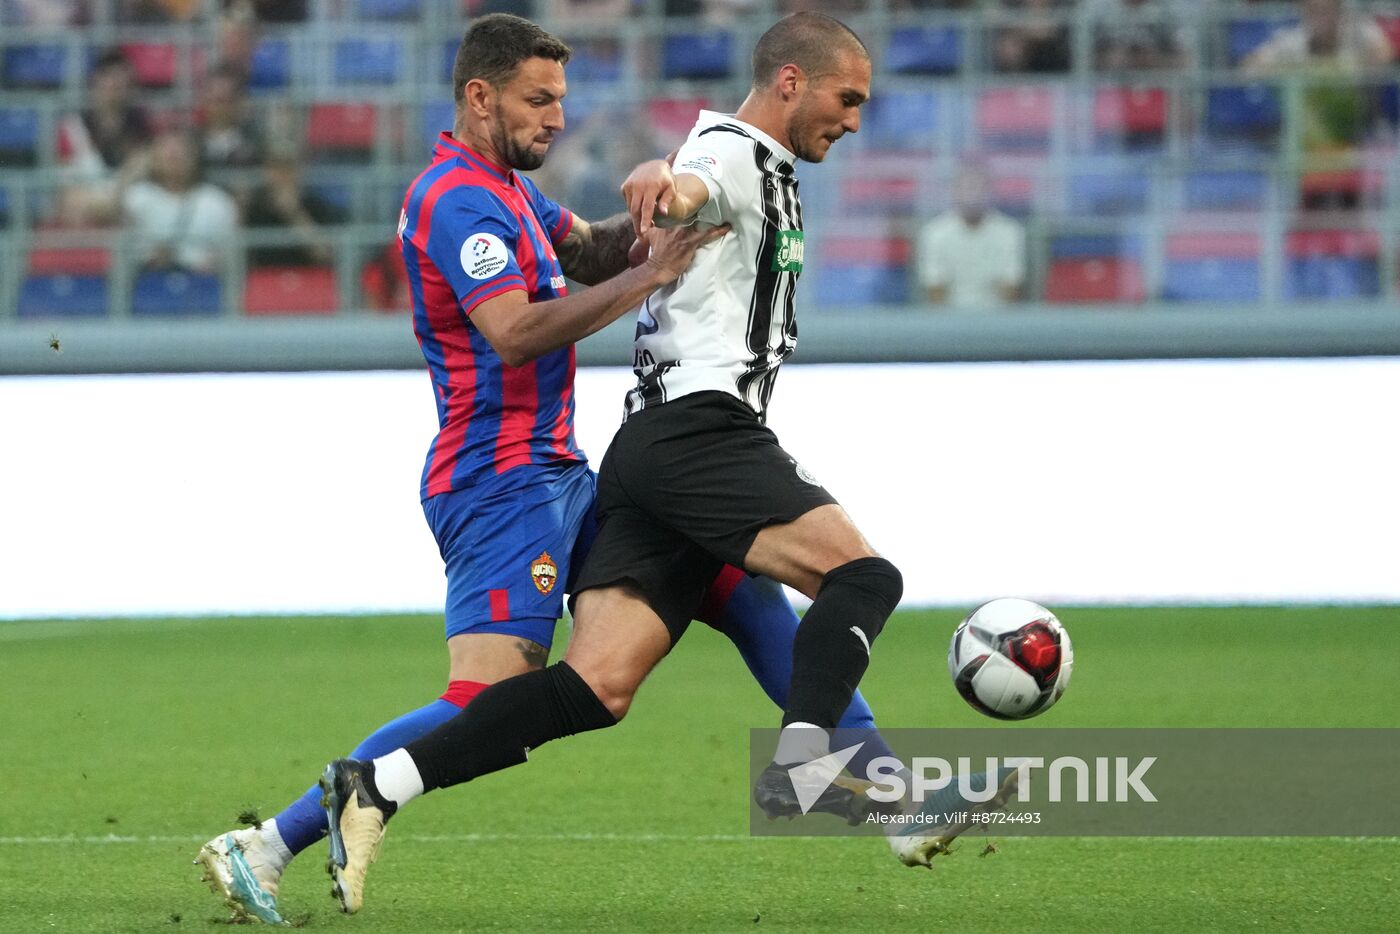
(556, 219)
(471, 237)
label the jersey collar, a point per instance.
(709, 118)
(449, 147)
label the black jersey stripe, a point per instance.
(767, 280)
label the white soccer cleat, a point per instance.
(245, 872)
(356, 828)
(918, 845)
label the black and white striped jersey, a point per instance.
(728, 322)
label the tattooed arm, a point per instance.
(596, 252)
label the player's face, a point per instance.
(529, 112)
(830, 107)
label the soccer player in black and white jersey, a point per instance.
(694, 479)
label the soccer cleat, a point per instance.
(845, 797)
(356, 824)
(244, 871)
(918, 844)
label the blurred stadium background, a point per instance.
(1153, 158)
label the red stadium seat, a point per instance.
(675, 116)
(70, 261)
(1130, 110)
(293, 290)
(1094, 279)
(341, 132)
(153, 63)
(1390, 25)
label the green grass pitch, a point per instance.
(125, 744)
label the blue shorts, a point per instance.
(510, 544)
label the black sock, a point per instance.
(506, 721)
(828, 658)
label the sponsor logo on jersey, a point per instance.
(544, 572)
(483, 255)
(702, 163)
(403, 223)
(556, 282)
(787, 254)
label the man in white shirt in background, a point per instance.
(972, 257)
(179, 221)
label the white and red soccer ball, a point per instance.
(1011, 659)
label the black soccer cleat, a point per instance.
(776, 794)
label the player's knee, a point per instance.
(613, 690)
(877, 577)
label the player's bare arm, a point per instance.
(521, 331)
(593, 253)
(657, 196)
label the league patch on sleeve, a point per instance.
(702, 162)
(484, 255)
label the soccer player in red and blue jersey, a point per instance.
(505, 488)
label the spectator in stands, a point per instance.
(229, 138)
(1331, 38)
(280, 203)
(158, 11)
(1035, 39)
(268, 11)
(179, 221)
(1132, 35)
(972, 257)
(103, 147)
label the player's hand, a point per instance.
(673, 249)
(638, 253)
(649, 189)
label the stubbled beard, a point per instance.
(516, 156)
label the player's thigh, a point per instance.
(488, 657)
(617, 640)
(801, 552)
(507, 553)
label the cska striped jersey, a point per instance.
(469, 232)
(729, 321)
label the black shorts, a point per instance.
(684, 489)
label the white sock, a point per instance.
(273, 838)
(397, 777)
(801, 742)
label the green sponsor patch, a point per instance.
(787, 256)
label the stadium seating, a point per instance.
(4, 207)
(19, 137)
(935, 50)
(1212, 267)
(377, 61)
(1130, 118)
(1243, 36)
(63, 259)
(904, 119)
(1332, 264)
(341, 132)
(389, 9)
(1244, 114)
(169, 293)
(855, 270)
(704, 55)
(63, 296)
(153, 63)
(270, 66)
(295, 290)
(33, 67)
(1094, 268)
(1225, 190)
(1017, 119)
(1112, 188)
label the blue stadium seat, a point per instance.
(1332, 277)
(595, 62)
(449, 58)
(935, 50)
(862, 285)
(1233, 190)
(61, 296)
(4, 207)
(1212, 279)
(697, 56)
(33, 66)
(1244, 36)
(368, 61)
(1109, 192)
(271, 65)
(175, 293)
(1252, 112)
(389, 9)
(903, 119)
(1095, 246)
(19, 137)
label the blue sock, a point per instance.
(303, 822)
(755, 614)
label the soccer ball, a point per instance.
(1011, 659)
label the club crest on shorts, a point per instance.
(544, 572)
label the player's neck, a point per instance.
(480, 143)
(767, 115)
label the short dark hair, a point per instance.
(494, 47)
(807, 40)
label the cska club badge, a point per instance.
(544, 572)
